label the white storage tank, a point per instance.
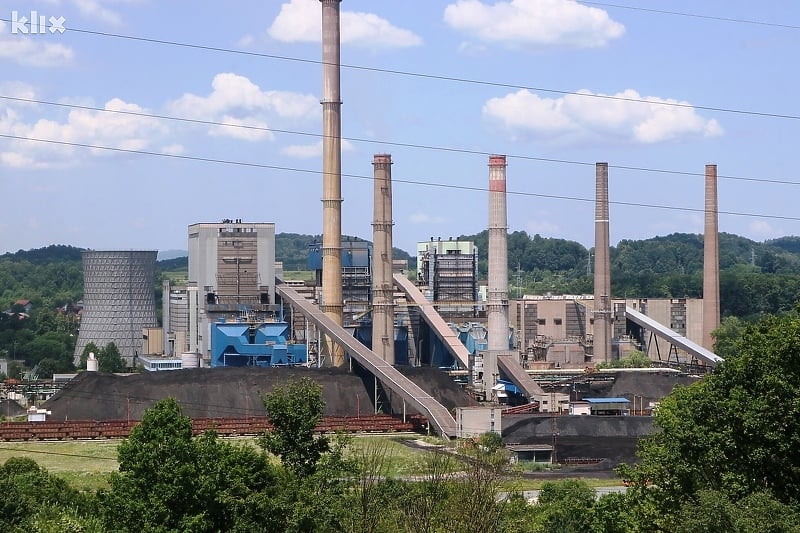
(91, 363)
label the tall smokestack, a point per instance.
(711, 259)
(497, 293)
(331, 174)
(382, 286)
(602, 267)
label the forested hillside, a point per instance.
(755, 277)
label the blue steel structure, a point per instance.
(254, 343)
(363, 332)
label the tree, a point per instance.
(171, 481)
(736, 431)
(565, 506)
(110, 360)
(634, 359)
(294, 412)
(31, 493)
(472, 504)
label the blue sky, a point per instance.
(438, 85)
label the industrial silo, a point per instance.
(118, 300)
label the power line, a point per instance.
(394, 180)
(695, 15)
(60, 454)
(437, 77)
(142, 114)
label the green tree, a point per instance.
(294, 411)
(736, 430)
(565, 506)
(110, 360)
(473, 504)
(30, 492)
(170, 481)
(634, 359)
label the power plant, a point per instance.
(364, 313)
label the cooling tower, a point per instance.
(710, 260)
(602, 268)
(118, 300)
(382, 284)
(331, 303)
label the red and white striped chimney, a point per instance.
(497, 291)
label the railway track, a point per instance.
(225, 427)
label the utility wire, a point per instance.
(437, 77)
(449, 149)
(394, 180)
(60, 454)
(695, 15)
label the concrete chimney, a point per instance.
(711, 259)
(382, 284)
(497, 291)
(331, 303)
(602, 268)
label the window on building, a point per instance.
(542, 321)
(557, 321)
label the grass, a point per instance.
(83, 464)
(86, 465)
(299, 275)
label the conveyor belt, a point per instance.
(438, 416)
(434, 319)
(514, 371)
(667, 334)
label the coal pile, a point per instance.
(230, 392)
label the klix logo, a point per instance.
(36, 23)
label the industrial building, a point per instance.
(118, 300)
(448, 271)
(356, 276)
(230, 294)
(559, 330)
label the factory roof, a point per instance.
(607, 400)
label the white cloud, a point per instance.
(96, 10)
(625, 116)
(763, 229)
(82, 126)
(173, 149)
(33, 51)
(425, 218)
(534, 23)
(17, 89)
(236, 100)
(248, 129)
(301, 21)
(307, 151)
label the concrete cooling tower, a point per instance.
(118, 300)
